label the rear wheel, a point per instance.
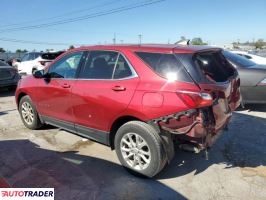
(140, 149)
(28, 113)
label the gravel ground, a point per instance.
(81, 169)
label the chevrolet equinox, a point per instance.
(137, 99)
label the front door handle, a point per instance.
(65, 85)
(118, 88)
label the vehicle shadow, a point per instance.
(25, 164)
(243, 145)
(6, 93)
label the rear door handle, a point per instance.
(118, 88)
(65, 85)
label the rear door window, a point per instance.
(165, 65)
(99, 65)
(122, 68)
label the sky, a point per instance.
(215, 21)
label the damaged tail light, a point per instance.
(196, 99)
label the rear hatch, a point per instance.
(216, 76)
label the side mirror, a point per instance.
(38, 74)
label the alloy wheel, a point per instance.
(135, 151)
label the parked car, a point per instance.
(255, 58)
(12, 61)
(253, 78)
(137, 99)
(33, 61)
(8, 76)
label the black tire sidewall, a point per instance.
(36, 122)
(154, 142)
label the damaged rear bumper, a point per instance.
(199, 126)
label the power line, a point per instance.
(37, 42)
(62, 15)
(70, 20)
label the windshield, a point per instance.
(238, 60)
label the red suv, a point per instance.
(137, 99)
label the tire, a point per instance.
(153, 149)
(31, 119)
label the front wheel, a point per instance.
(28, 113)
(140, 148)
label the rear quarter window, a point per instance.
(165, 65)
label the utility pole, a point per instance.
(140, 36)
(114, 40)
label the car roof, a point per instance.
(166, 48)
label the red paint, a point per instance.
(98, 103)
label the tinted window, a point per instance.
(166, 65)
(36, 55)
(122, 69)
(66, 67)
(99, 65)
(238, 60)
(51, 56)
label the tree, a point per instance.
(24, 51)
(259, 44)
(18, 51)
(71, 47)
(197, 41)
(2, 50)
